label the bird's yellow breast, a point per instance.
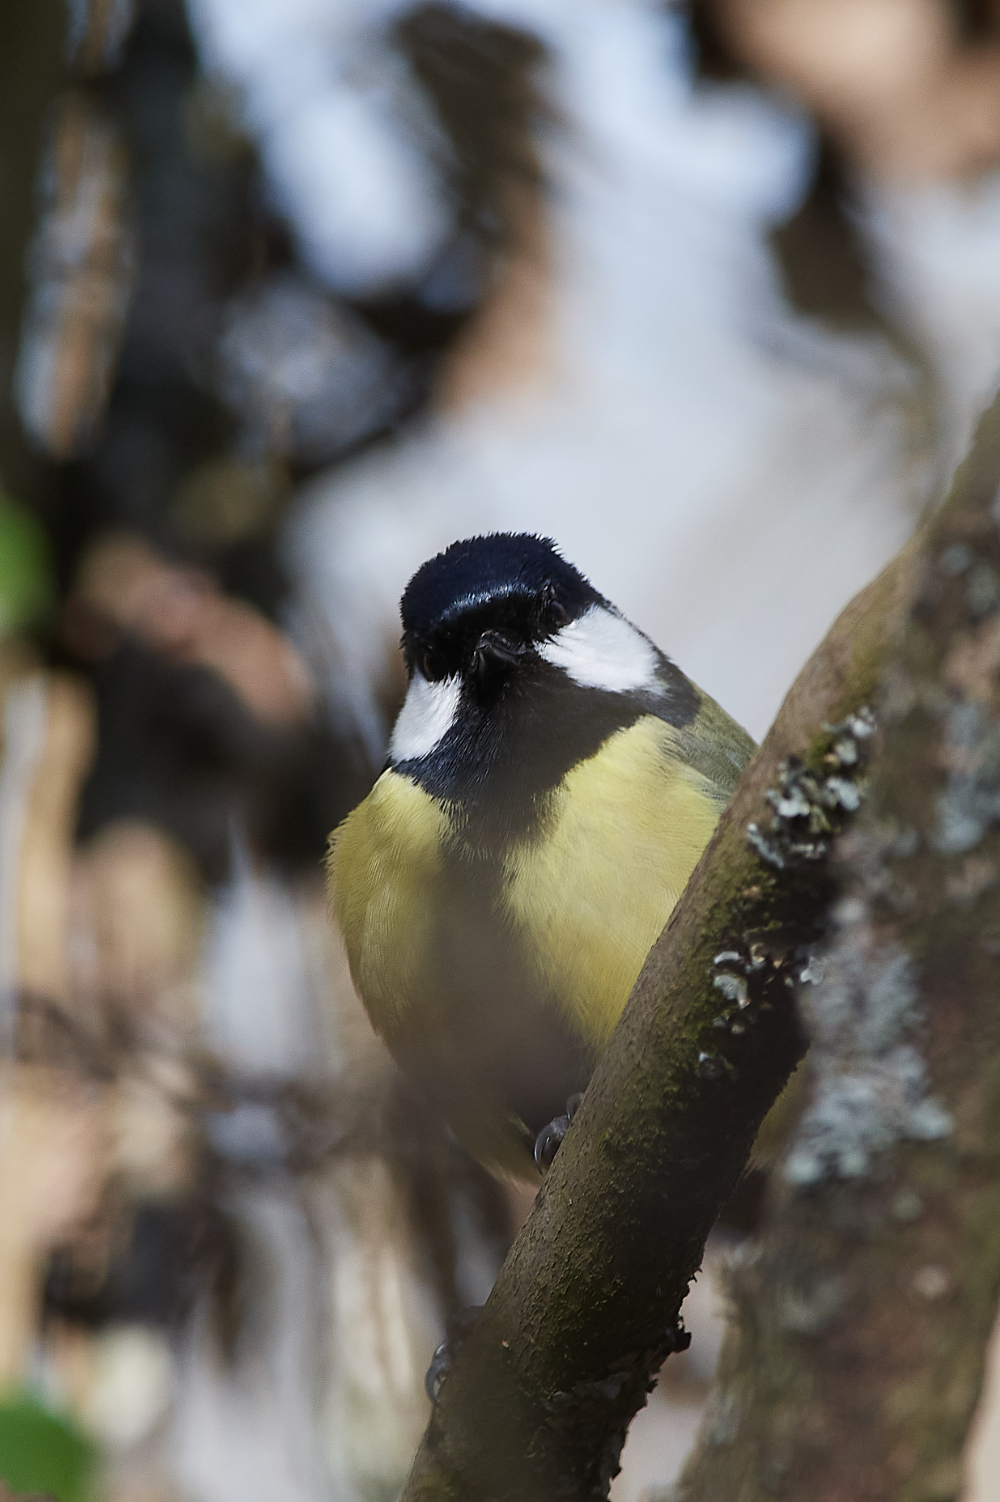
(385, 864)
(583, 898)
(589, 898)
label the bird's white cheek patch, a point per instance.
(601, 650)
(427, 715)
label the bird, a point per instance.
(551, 782)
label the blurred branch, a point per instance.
(541, 1393)
(81, 277)
(49, 1122)
(864, 1313)
(32, 38)
(904, 90)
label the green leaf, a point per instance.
(43, 1452)
(26, 586)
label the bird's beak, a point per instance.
(494, 654)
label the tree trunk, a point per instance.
(864, 1312)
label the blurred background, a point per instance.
(293, 293)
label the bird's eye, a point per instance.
(430, 666)
(553, 612)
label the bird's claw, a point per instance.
(437, 1371)
(550, 1137)
(458, 1327)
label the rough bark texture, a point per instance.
(864, 1311)
(585, 1309)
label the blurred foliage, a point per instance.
(26, 579)
(44, 1452)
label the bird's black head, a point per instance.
(480, 606)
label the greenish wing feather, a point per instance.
(714, 745)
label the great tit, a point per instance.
(552, 780)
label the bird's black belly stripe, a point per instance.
(497, 1035)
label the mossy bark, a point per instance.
(863, 1313)
(585, 1309)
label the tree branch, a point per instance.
(585, 1309)
(865, 1310)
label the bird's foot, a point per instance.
(456, 1330)
(549, 1138)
